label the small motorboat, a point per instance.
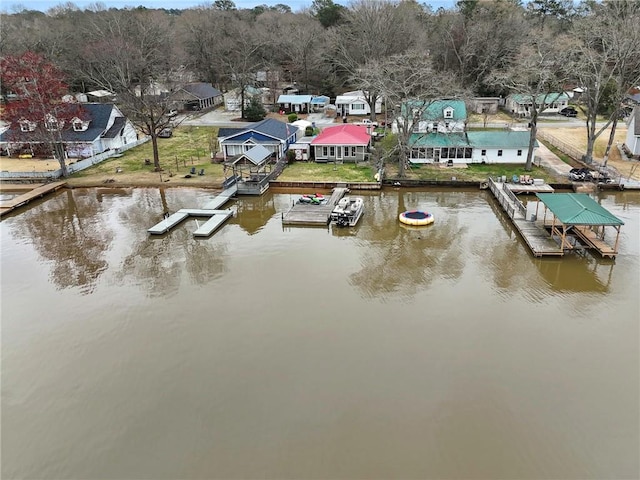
(348, 211)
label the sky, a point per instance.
(44, 5)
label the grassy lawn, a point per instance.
(327, 172)
(472, 173)
(188, 147)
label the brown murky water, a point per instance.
(271, 352)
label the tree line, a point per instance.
(389, 49)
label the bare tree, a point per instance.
(535, 74)
(606, 62)
(409, 83)
(130, 54)
(373, 31)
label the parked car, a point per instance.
(172, 113)
(569, 112)
(165, 133)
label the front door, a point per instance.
(436, 155)
(339, 153)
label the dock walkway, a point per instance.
(211, 209)
(535, 236)
(33, 193)
(309, 214)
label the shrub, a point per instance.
(291, 156)
(255, 111)
(292, 117)
(308, 132)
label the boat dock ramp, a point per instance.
(309, 214)
(31, 194)
(212, 210)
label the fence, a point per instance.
(77, 166)
(570, 150)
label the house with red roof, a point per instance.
(348, 143)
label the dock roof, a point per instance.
(578, 209)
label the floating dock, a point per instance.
(309, 214)
(536, 237)
(211, 209)
(33, 193)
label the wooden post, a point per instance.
(615, 247)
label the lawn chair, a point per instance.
(193, 171)
(201, 172)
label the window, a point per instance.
(444, 153)
(332, 151)
(353, 151)
(27, 126)
(519, 153)
(468, 152)
(499, 153)
(357, 106)
(460, 153)
(51, 123)
(77, 126)
(446, 124)
(483, 153)
(324, 151)
(429, 152)
(448, 112)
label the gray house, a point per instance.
(198, 96)
(102, 127)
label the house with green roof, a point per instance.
(427, 116)
(521, 104)
(492, 146)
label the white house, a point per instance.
(232, 98)
(102, 127)
(632, 142)
(443, 116)
(521, 104)
(497, 146)
(355, 103)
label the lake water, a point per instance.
(274, 352)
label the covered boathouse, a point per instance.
(577, 216)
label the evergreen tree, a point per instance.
(255, 111)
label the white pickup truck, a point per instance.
(367, 122)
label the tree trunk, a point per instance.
(242, 101)
(532, 140)
(58, 148)
(156, 155)
(591, 139)
(610, 143)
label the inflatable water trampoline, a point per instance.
(416, 217)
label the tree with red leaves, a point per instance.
(38, 114)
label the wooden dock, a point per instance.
(211, 209)
(535, 236)
(32, 194)
(309, 214)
